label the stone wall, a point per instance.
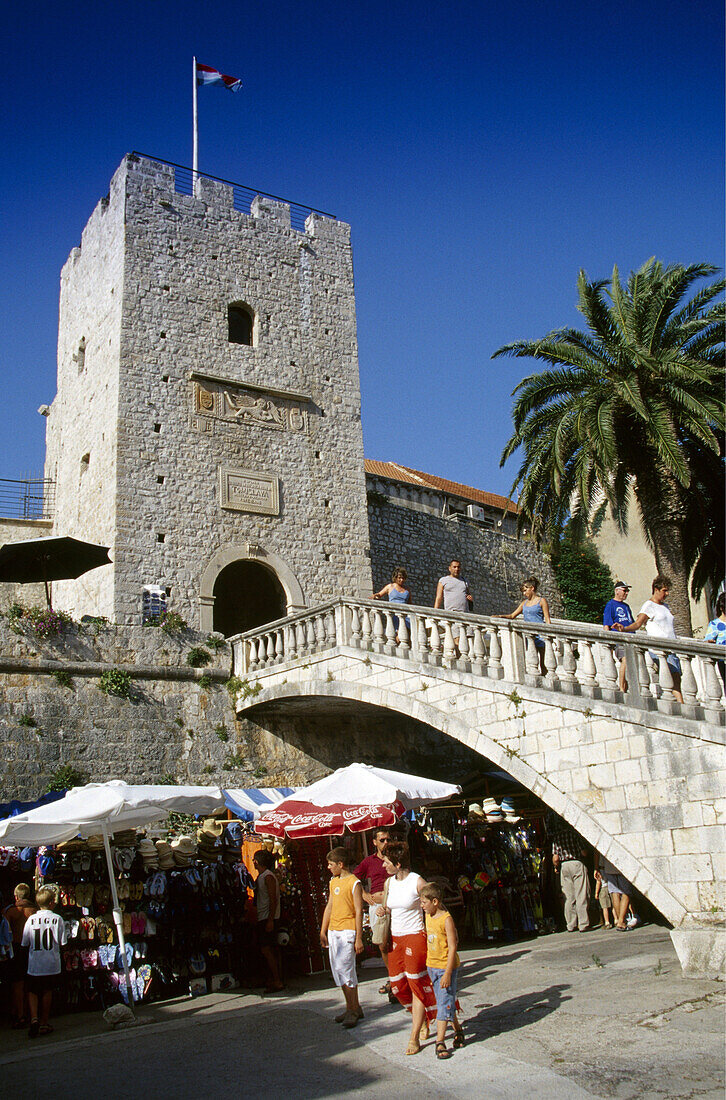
(172, 726)
(81, 428)
(494, 564)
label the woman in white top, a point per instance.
(657, 618)
(409, 977)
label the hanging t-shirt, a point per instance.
(44, 935)
(660, 622)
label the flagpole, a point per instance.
(195, 146)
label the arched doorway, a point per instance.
(246, 595)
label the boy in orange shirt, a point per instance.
(442, 963)
(342, 932)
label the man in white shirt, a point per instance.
(657, 618)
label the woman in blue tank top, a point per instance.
(397, 592)
(533, 609)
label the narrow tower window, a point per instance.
(81, 356)
(240, 323)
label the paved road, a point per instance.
(561, 1018)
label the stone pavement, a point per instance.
(563, 1017)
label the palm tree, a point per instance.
(635, 402)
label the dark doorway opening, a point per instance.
(246, 595)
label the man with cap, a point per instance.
(616, 616)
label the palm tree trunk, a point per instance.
(661, 502)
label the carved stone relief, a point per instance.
(238, 405)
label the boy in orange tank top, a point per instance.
(342, 932)
(442, 963)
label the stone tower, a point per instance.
(207, 422)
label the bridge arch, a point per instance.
(453, 726)
(238, 554)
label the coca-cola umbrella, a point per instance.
(357, 797)
(56, 558)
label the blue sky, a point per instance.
(483, 153)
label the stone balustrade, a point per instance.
(571, 659)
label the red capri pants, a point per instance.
(408, 973)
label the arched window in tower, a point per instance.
(240, 323)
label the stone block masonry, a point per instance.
(172, 727)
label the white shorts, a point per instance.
(341, 949)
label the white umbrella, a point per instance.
(107, 808)
(250, 802)
(359, 784)
(356, 797)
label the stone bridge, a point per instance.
(638, 775)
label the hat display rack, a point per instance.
(488, 855)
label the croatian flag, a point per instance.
(206, 75)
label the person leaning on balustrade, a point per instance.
(657, 618)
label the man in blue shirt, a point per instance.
(615, 616)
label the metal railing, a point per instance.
(28, 498)
(576, 659)
(242, 195)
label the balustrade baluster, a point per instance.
(390, 631)
(310, 635)
(478, 649)
(319, 632)
(330, 631)
(403, 643)
(643, 673)
(379, 635)
(270, 649)
(464, 646)
(495, 652)
(279, 646)
(531, 656)
(550, 658)
(714, 685)
(689, 687)
(290, 641)
(423, 638)
(252, 659)
(300, 638)
(435, 643)
(608, 673)
(449, 647)
(367, 627)
(586, 665)
(665, 676)
(567, 663)
(355, 627)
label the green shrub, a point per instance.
(198, 657)
(116, 681)
(205, 682)
(214, 642)
(63, 678)
(585, 582)
(44, 622)
(208, 769)
(221, 732)
(27, 720)
(170, 622)
(234, 761)
(166, 780)
(65, 778)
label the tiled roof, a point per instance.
(396, 472)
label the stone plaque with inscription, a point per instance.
(249, 491)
